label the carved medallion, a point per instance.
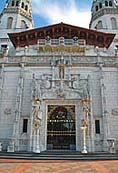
(36, 125)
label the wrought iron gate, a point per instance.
(61, 133)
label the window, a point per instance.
(97, 126)
(9, 22)
(100, 5)
(99, 25)
(106, 3)
(96, 7)
(113, 23)
(25, 124)
(23, 24)
(4, 48)
(26, 8)
(110, 3)
(22, 5)
(13, 3)
(17, 3)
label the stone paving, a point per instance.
(57, 166)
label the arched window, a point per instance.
(26, 8)
(13, 3)
(106, 3)
(110, 3)
(22, 5)
(9, 22)
(17, 3)
(100, 25)
(100, 5)
(23, 24)
(114, 23)
(96, 7)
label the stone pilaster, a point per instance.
(18, 107)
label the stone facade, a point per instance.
(84, 79)
(23, 81)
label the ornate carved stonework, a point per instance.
(62, 90)
(114, 112)
(36, 113)
(61, 83)
(7, 111)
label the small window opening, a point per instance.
(96, 8)
(26, 8)
(100, 5)
(110, 3)
(25, 124)
(97, 126)
(22, 5)
(17, 3)
(106, 3)
(13, 3)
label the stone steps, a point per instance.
(63, 155)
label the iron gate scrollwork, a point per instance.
(61, 133)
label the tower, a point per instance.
(104, 16)
(15, 17)
(17, 14)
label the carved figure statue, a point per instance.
(61, 71)
(61, 64)
(36, 88)
(37, 118)
(82, 88)
(36, 113)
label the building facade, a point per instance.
(58, 84)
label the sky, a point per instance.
(46, 12)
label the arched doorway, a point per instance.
(61, 133)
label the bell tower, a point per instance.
(104, 16)
(16, 15)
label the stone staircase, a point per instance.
(59, 155)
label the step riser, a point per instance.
(59, 156)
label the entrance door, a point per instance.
(61, 133)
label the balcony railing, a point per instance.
(62, 41)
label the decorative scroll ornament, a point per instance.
(7, 111)
(114, 112)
